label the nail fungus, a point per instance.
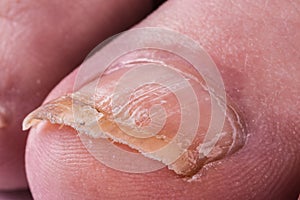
(167, 118)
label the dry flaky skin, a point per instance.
(88, 120)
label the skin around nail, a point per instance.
(150, 119)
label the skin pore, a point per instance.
(254, 45)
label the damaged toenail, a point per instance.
(155, 101)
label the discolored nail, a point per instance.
(155, 102)
(110, 109)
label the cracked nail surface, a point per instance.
(155, 118)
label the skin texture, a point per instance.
(40, 43)
(255, 48)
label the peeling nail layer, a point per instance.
(93, 115)
(155, 102)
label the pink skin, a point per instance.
(255, 47)
(42, 41)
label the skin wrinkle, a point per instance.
(219, 170)
(59, 155)
(264, 166)
(272, 162)
(276, 161)
(291, 187)
(71, 171)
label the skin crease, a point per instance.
(256, 52)
(40, 45)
